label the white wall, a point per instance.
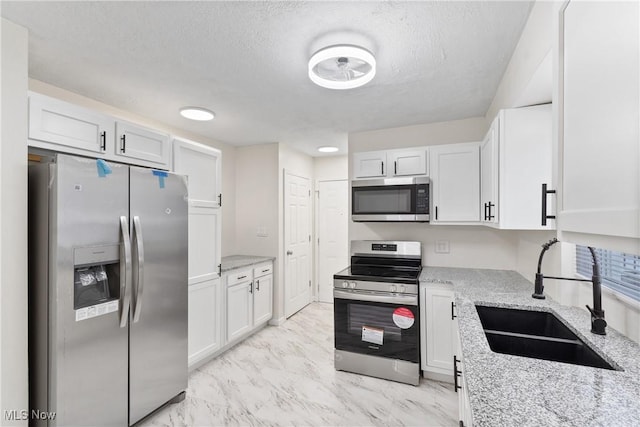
(13, 220)
(331, 168)
(228, 151)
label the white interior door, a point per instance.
(297, 243)
(333, 241)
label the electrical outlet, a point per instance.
(442, 246)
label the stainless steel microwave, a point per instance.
(390, 199)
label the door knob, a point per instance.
(289, 252)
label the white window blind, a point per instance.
(618, 271)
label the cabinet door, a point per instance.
(489, 175)
(71, 128)
(408, 162)
(370, 164)
(239, 309)
(204, 243)
(205, 307)
(438, 305)
(139, 143)
(202, 165)
(455, 180)
(262, 299)
(599, 101)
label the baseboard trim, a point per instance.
(277, 322)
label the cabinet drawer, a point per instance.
(263, 270)
(239, 277)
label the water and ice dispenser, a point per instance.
(96, 280)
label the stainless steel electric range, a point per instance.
(376, 311)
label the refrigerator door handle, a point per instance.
(139, 277)
(125, 272)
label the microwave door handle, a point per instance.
(125, 271)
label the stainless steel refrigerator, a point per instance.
(107, 290)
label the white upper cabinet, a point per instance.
(60, 126)
(137, 142)
(390, 163)
(600, 117)
(516, 160)
(407, 162)
(455, 183)
(369, 164)
(202, 164)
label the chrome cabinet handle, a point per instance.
(125, 271)
(139, 278)
(289, 252)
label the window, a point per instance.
(619, 271)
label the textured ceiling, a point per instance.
(247, 61)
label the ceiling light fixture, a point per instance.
(342, 67)
(197, 113)
(327, 149)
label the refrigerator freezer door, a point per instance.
(87, 346)
(158, 321)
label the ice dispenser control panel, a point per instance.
(96, 281)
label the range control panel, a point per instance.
(387, 247)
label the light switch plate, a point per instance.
(442, 246)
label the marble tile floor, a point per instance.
(284, 376)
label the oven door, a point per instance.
(376, 323)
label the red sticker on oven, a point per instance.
(403, 318)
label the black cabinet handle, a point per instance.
(219, 269)
(242, 277)
(453, 306)
(123, 144)
(456, 374)
(257, 285)
(251, 287)
(545, 192)
(395, 167)
(382, 164)
(486, 215)
(436, 213)
(103, 141)
(220, 200)
(490, 205)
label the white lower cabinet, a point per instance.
(437, 320)
(205, 319)
(464, 405)
(239, 309)
(249, 300)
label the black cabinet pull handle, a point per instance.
(242, 277)
(257, 285)
(453, 315)
(219, 269)
(220, 200)
(545, 217)
(251, 287)
(103, 141)
(395, 167)
(123, 145)
(382, 165)
(436, 213)
(486, 216)
(491, 205)
(456, 374)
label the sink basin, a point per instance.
(535, 334)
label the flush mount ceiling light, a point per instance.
(327, 149)
(342, 67)
(197, 113)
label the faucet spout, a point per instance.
(598, 324)
(538, 291)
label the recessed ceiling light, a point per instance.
(327, 149)
(342, 67)
(197, 113)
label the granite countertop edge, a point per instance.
(511, 390)
(233, 262)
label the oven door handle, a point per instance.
(384, 298)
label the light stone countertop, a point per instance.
(232, 262)
(507, 390)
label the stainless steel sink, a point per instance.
(535, 334)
